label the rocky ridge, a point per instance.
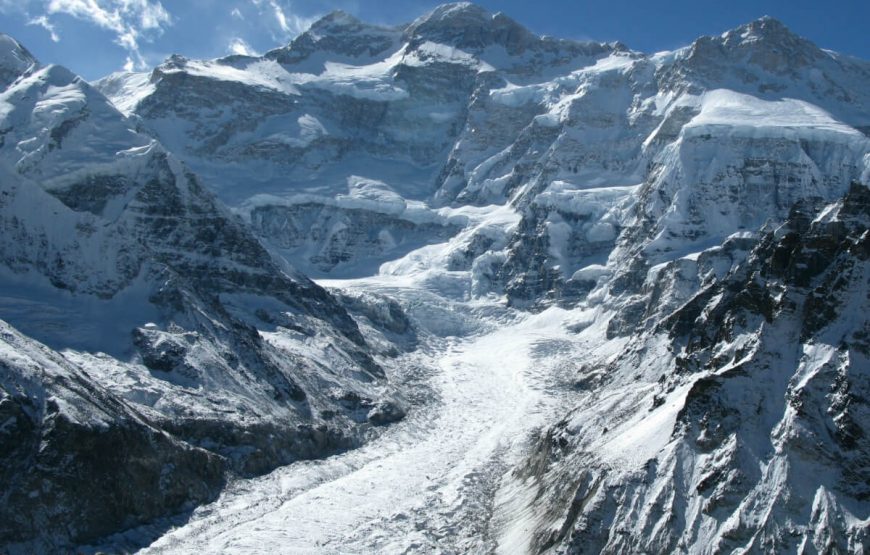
(742, 429)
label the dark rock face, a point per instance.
(78, 462)
(159, 350)
(773, 359)
(93, 192)
(385, 413)
(255, 448)
(330, 240)
(15, 61)
(141, 475)
(533, 274)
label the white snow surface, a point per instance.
(126, 89)
(723, 107)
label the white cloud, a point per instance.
(237, 14)
(132, 21)
(42, 21)
(115, 15)
(239, 46)
(13, 6)
(288, 23)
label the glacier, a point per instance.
(568, 297)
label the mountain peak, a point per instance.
(337, 20)
(769, 34)
(765, 28)
(340, 33)
(467, 25)
(765, 42)
(15, 60)
(455, 11)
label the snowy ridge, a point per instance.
(204, 346)
(727, 108)
(15, 61)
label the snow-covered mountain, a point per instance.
(465, 107)
(736, 422)
(161, 331)
(669, 251)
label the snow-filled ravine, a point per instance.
(479, 389)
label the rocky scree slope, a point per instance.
(166, 346)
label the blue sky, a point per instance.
(96, 37)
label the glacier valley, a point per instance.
(446, 287)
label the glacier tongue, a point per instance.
(412, 488)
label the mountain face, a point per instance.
(499, 115)
(167, 346)
(347, 116)
(698, 217)
(745, 433)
